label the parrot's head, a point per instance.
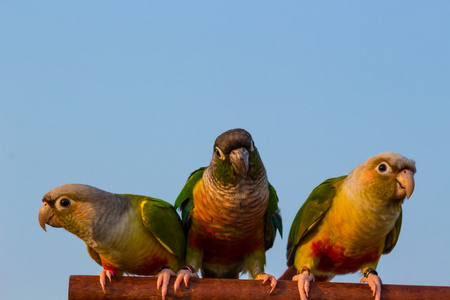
(235, 156)
(76, 207)
(388, 176)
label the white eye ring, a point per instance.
(384, 168)
(219, 153)
(63, 203)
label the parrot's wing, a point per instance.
(273, 221)
(311, 212)
(94, 255)
(185, 199)
(392, 237)
(161, 219)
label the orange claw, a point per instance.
(303, 282)
(163, 281)
(266, 278)
(103, 274)
(374, 282)
(183, 275)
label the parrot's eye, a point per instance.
(64, 202)
(383, 168)
(219, 153)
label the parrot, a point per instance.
(124, 233)
(230, 213)
(348, 222)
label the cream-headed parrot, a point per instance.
(230, 213)
(348, 222)
(124, 233)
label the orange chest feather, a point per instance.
(229, 215)
(226, 228)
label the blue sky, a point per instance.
(129, 97)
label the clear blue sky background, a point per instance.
(128, 96)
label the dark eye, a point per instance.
(64, 202)
(382, 168)
(219, 153)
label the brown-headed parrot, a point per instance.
(124, 233)
(230, 212)
(348, 222)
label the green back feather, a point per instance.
(317, 204)
(273, 221)
(185, 199)
(161, 219)
(392, 237)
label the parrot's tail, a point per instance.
(290, 272)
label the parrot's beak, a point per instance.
(239, 160)
(46, 216)
(405, 184)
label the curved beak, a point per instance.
(46, 216)
(239, 159)
(405, 184)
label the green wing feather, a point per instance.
(161, 219)
(311, 212)
(392, 237)
(185, 199)
(273, 221)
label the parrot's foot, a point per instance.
(266, 278)
(303, 281)
(374, 282)
(184, 275)
(163, 280)
(103, 274)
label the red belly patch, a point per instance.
(149, 266)
(334, 259)
(224, 252)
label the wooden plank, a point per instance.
(130, 287)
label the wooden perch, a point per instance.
(129, 287)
